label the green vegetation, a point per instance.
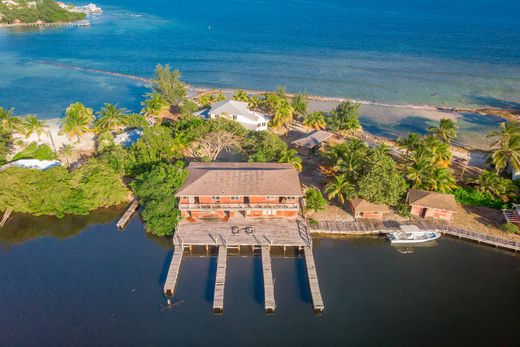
(31, 125)
(78, 121)
(506, 147)
(510, 228)
(345, 117)
(111, 118)
(6, 142)
(167, 83)
(470, 196)
(35, 151)
(156, 191)
(315, 120)
(314, 200)
(154, 107)
(45, 10)
(57, 192)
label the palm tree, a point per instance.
(340, 188)
(299, 104)
(241, 95)
(491, 184)
(291, 156)
(417, 172)
(446, 131)
(111, 118)
(410, 142)
(283, 115)
(440, 180)
(154, 107)
(440, 151)
(315, 120)
(77, 121)
(33, 125)
(506, 147)
(9, 121)
(66, 151)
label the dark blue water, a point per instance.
(80, 282)
(420, 52)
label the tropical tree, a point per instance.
(299, 103)
(446, 131)
(440, 152)
(315, 120)
(345, 117)
(241, 95)
(339, 187)
(77, 121)
(9, 121)
(493, 185)
(34, 125)
(66, 151)
(440, 179)
(410, 142)
(283, 115)
(154, 107)
(111, 118)
(167, 83)
(417, 172)
(314, 200)
(291, 156)
(506, 147)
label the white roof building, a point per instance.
(238, 111)
(128, 138)
(32, 164)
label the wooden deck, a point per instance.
(235, 232)
(269, 301)
(220, 280)
(121, 224)
(173, 271)
(317, 301)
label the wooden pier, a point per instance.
(220, 280)
(121, 224)
(6, 216)
(317, 301)
(269, 301)
(173, 271)
(80, 23)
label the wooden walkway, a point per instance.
(317, 301)
(380, 227)
(173, 271)
(7, 214)
(220, 280)
(269, 301)
(121, 224)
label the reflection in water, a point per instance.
(410, 249)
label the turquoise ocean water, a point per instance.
(457, 53)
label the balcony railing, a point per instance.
(234, 207)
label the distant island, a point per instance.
(23, 12)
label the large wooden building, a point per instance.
(431, 204)
(254, 190)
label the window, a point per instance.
(235, 198)
(291, 198)
(270, 197)
(215, 198)
(234, 117)
(269, 212)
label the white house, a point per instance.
(238, 111)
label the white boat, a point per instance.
(412, 234)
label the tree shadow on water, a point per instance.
(490, 101)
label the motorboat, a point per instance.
(412, 234)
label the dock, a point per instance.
(80, 23)
(220, 280)
(6, 216)
(253, 237)
(121, 224)
(269, 302)
(317, 300)
(173, 271)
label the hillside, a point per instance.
(15, 11)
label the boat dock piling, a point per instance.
(317, 301)
(269, 301)
(7, 214)
(173, 271)
(121, 224)
(220, 280)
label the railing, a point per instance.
(219, 207)
(476, 236)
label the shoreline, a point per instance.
(78, 23)
(506, 114)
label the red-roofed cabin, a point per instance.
(431, 204)
(364, 209)
(256, 190)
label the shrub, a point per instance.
(33, 151)
(510, 228)
(403, 209)
(314, 200)
(471, 197)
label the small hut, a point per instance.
(311, 143)
(364, 209)
(431, 204)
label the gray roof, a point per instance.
(362, 205)
(224, 179)
(432, 200)
(313, 139)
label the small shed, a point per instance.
(311, 143)
(364, 209)
(431, 204)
